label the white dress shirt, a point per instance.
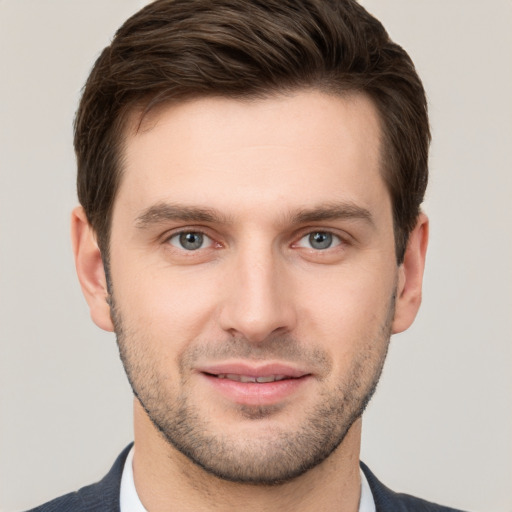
(130, 501)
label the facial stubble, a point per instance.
(273, 455)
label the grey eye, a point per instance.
(319, 240)
(190, 240)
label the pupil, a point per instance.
(191, 241)
(320, 240)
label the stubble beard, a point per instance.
(277, 455)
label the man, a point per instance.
(250, 177)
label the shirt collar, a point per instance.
(129, 499)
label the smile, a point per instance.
(249, 378)
(255, 385)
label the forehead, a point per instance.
(228, 153)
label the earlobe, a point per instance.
(90, 270)
(410, 277)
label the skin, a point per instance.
(257, 178)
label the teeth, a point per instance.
(242, 378)
(248, 378)
(271, 378)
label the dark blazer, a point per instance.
(103, 496)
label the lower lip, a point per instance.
(254, 393)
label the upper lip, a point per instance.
(254, 370)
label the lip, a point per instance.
(254, 393)
(262, 370)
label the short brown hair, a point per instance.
(179, 49)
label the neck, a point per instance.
(167, 480)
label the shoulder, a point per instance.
(388, 501)
(102, 496)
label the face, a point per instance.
(254, 277)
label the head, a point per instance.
(172, 51)
(252, 174)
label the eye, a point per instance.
(319, 240)
(190, 240)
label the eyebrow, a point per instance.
(332, 211)
(165, 212)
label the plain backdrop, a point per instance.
(440, 425)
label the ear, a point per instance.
(410, 277)
(89, 267)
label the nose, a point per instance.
(258, 297)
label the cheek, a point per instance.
(347, 308)
(167, 306)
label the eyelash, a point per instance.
(184, 233)
(333, 240)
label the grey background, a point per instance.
(440, 425)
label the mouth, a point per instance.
(255, 385)
(248, 373)
(250, 378)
